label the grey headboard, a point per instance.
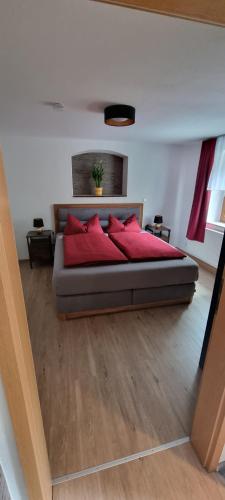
(85, 211)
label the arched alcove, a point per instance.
(115, 173)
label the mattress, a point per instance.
(127, 276)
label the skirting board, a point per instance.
(120, 461)
(200, 262)
(134, 307)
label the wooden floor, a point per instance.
(113, 385)
(170, 475)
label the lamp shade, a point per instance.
(119, 115)
(38, 223)
(158, 219)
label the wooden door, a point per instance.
(16, 362)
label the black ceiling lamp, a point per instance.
(119, 115)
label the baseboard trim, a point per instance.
(120, 461)
(201, 263)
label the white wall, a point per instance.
(39, 174)
(9, 459)
(209, 251)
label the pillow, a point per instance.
(93, 225)
(115, 226)
(74, 226)
(131, 224)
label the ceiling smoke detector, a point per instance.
(54, 105)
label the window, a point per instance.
(216, 212)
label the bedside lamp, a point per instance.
(39, 225)
(158, 220)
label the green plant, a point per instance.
(98, 172)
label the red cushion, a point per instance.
(93, 225)
(115, 226)
(89, 249)
(74, 226)
(144, 247)
(131, 224)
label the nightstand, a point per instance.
(40, 246)
(159, 232)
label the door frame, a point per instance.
(191, 10)
(18, 374)
(208, 429)
(16, 362)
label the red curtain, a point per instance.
(200, 205)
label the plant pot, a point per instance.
(98, 191)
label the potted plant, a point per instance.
(97, 174)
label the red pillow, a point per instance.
(74, 226)
(93, 225)
(115, 226)
(131, 224)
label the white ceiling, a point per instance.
(87, 55)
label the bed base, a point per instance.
(133, 307)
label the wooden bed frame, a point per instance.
(56, 208)
(120, 309)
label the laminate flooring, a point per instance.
(174, 474)
(113, 385)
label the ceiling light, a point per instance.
(119, 115)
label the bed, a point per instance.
(90, 290)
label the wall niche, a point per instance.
(115, 174)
